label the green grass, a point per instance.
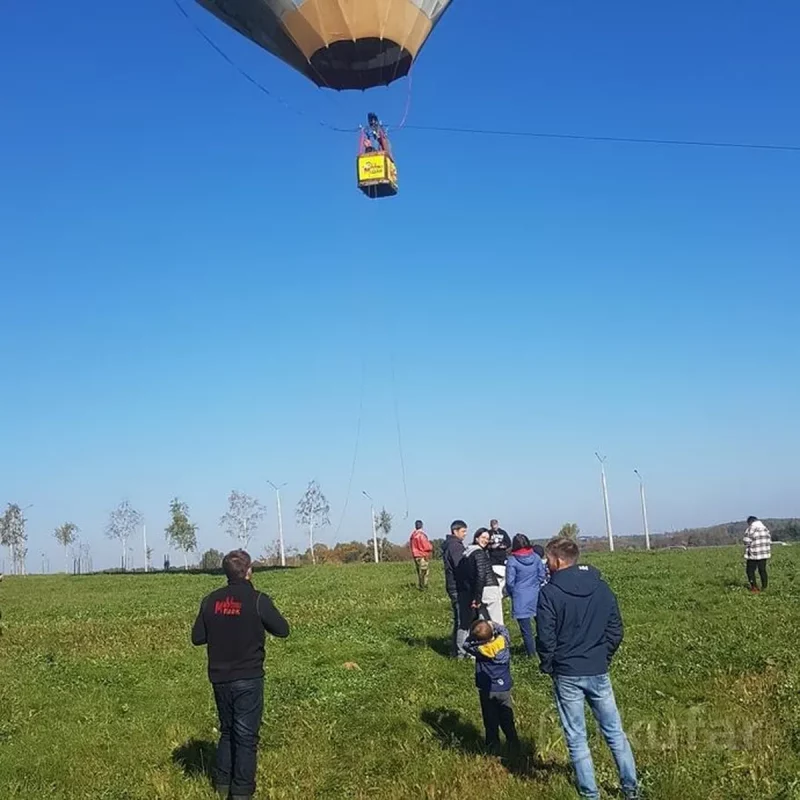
(102, 696)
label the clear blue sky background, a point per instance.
(191, 282)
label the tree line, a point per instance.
(241, 522)
(245, 513)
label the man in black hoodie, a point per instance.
(578, 630)
(232, 622)
(499, 548)
(457, 587)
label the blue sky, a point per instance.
(193, 287)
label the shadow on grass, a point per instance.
(439, 644)
(196, 758)
(455, 733)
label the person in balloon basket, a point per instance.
(232, 623)
(578, 631)
(489, 644)
(421, 551)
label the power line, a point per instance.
(576, 137)
(616, 139)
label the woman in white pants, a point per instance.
(484, 584)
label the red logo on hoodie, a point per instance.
(229, 607)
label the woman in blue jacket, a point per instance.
(525, 573)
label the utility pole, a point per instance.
(644, 510)
(609, 532)
(280, 520)
(144, 541)
(374, 531)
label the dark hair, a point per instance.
(236, 564)
(751, 520)
(481, 630)
(563, 549)
(521, 542)
(478, 534)
(494, 522)
(457, 524)
(418, 525)
(539, 550)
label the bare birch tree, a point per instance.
(14, 537)
(242, 517)
(122, 525)
(65, 535)
(313, 512)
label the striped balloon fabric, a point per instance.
(338, 44)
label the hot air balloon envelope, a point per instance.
(338, 44)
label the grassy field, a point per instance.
(102, 696)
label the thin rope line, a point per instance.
(618, 139)
(408, 100)
(355, 450)
(250, 79)
(399, 437)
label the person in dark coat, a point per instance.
(232, 624)
(578, 631)
(456, 587)
(483, 583)
(525, 574)
(499, 548)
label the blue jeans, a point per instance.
(527, 634)
(570, 693)
(239, 705)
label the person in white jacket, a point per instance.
(757, 551)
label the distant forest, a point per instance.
(728, 533)
(783, 530)
(354, 552)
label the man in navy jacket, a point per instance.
(579, 629)
(456, 587)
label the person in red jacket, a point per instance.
(421, 550)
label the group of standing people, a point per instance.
(578, 631)
(479, 575)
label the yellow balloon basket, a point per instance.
(377, 175)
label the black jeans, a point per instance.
(498, 713)
(761, 565)
(239, 705)
(463, 616)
